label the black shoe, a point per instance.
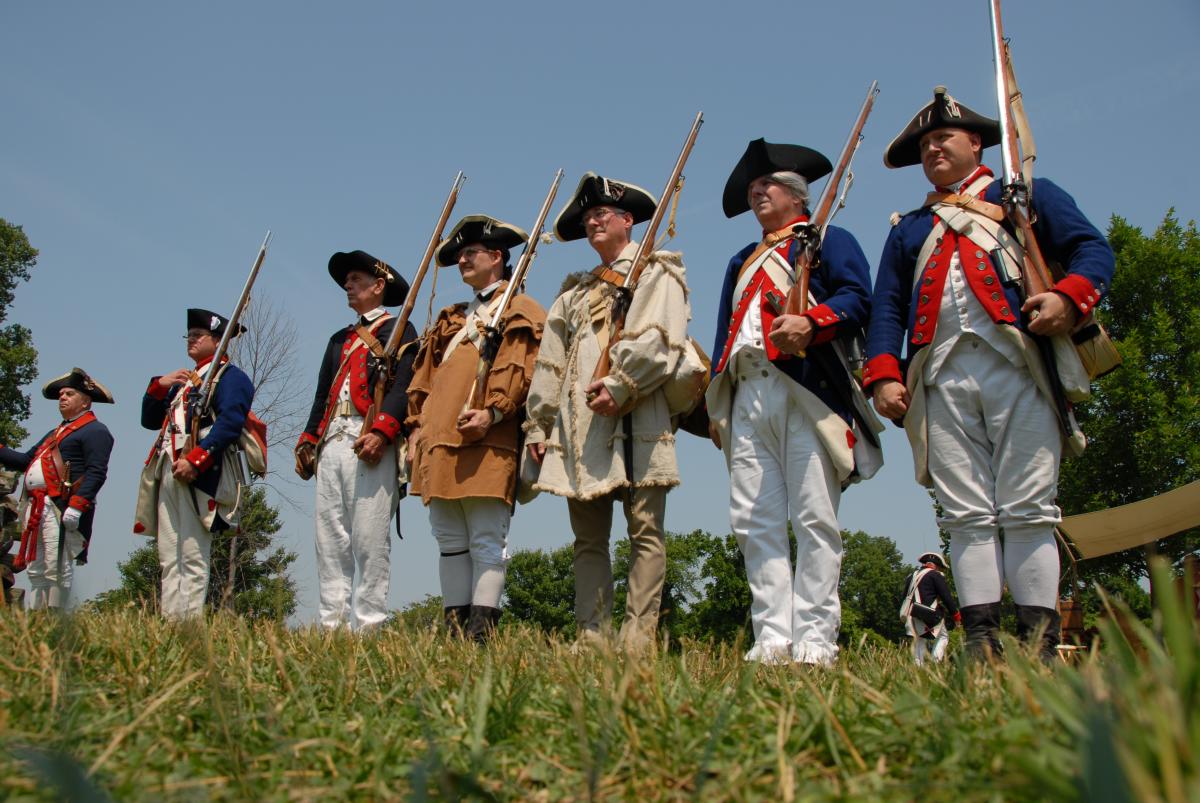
(482, 623)
(981, 626)
(456, 617)
(1042, 625)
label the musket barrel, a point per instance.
(1008, 144)
(527, 255)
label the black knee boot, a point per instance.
(1030, 620)
(456, 617)
(482, 623)
(981, 626)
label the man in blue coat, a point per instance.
(789, 424)
(63, 475)
(191, 484)
(986, 419)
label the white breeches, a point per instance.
(355, 505)
(472, 536)
(779, 471)
(48, 587)
(935, 648)
(184, 548)
(994, 451)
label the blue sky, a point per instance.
(147, 146)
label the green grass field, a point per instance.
(125, 705)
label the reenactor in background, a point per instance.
(464, 461)
(611, 440)
(353, 448)
(972, 389)
(928, 610)
(787, 433)
(63, 472)
(191, 484)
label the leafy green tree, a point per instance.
(425, 614)
(722, 614)
(540, 589)
(1143, 421)
(872, 582)
(260, 588)
(18, 358)
(683, 584)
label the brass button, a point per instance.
(919, 336)
(924, 299)
(922, 319)
(1004, 310)
(995, 296)
(764, 373)
(928, 280)
(979, 255)
(981, 266)
(989, 279)
(937, 251)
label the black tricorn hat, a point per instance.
(941, 112)
(395, 289)
(594, 190)
(934, 557)
(210, 322)
(763, 158)
(78, 379)
(487, 231)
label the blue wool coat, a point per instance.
(1064, 234)
(841, 283)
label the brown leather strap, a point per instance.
(606, 274)
(772, 240)
(969, 202)
(367, 336)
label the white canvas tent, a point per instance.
(1136, 524)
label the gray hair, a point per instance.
(794, 183)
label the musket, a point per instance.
(490, 343)
(808, 236)
(410, 301)
(624, 295)
(204, 398)
(1015, 198)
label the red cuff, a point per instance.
(79, 503)
(200, 458)
(823, 316)
(156, 390)
(306, 437)
(1082, 293)
(880, 367)
(386, 425)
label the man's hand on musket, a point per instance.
(791, 334)
(1050, 313)
(891, 399)
(537, 452)
(184, 471)
(175, 378)
(369, 448)
(474, 424)
(600, 400)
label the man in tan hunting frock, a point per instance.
(465, 457)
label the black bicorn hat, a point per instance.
(594, 190)
(78, 379)
(487, 231)
(395, 286)
(210, 322)
(941, 112)
(934, 557)
(763, 158)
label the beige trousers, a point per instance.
(184, 547)
(591, 521)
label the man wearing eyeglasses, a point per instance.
(465, 457)
(355, 459)
(190, 487)
(611, 440)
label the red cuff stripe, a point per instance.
(156, 390)
(822, 315)
(306, 437)
(201, 458)
(79, 503)
(1082, 292)
(880, 367)
(386, 425)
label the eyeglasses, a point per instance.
(194, 336)
(598, 215)
(471, 253)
